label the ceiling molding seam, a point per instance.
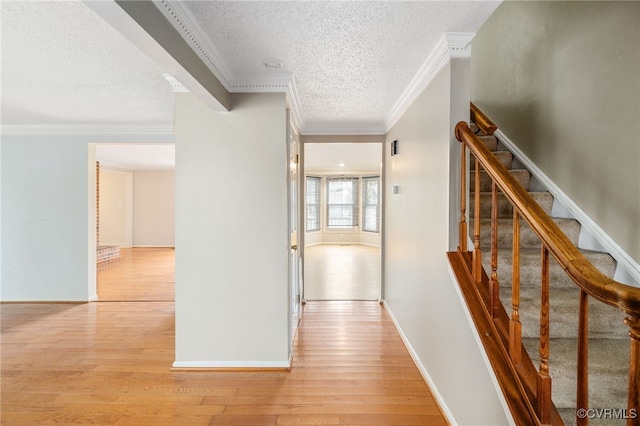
(294, 104)
(183, 21)
(176, 86)
(451, 45)
(85, 129)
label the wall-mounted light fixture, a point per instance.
(394, 147)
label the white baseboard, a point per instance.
(423, 371)
(231, 365)
(631, 267)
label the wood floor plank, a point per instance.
(109, 363)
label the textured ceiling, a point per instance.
(342, 157)
(351, 60)
(62, 64)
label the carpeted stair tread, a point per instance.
(530, 269)
(608, 372)
(490, 142)
(505, 157)
(604, 321)
(528, 238)
(521, 175)
(505, 210)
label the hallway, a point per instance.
(342, 272)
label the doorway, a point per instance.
(135, 206)
(342, 221)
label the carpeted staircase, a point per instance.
(608, 338)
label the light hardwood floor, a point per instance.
(110, 363)
(342, 272)
(140, 274)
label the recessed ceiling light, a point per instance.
(341, 164)
(272, 63)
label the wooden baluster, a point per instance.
(477, 253)
(515, 326)
(582, 396)
(463, 199)
(633, 405)
(494, 285)
(544, 380)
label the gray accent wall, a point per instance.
(562, 81)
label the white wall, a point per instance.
(154, 208)
(419, 289)
(116, 207)
(232, 242)
(48, 196)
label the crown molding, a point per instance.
(451, 45)
(185, 23)
(86, 129)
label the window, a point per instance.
(371, 204)
(313, 203)
(342, 203)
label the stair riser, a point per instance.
(522, 176)
(505, 210)
(505, 157)
(531, 269)
(608, 372)
(604, 321)
(528, 238)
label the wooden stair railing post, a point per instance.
(494, 285)
(582, 396)
(633, 404)
(477, 253)
(463, 199)
(544, 380)
(515, 326)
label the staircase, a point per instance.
(608, 336)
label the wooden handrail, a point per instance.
(588, 278)
(583, 273)
(482, 121)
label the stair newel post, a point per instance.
(477, 253)
(633, 405)
(494, 289)
(582, 396)
(463, 198)
(544, 380)
(515, 326)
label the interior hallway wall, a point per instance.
(419, 288)
(48, 201)
(232, 236)
(49, 213)
(560, 79)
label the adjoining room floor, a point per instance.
(342, 272)
(138, 275)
